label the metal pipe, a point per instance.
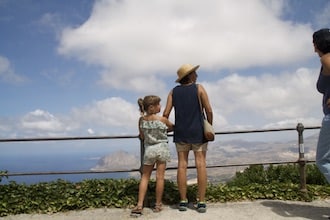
(301, 160)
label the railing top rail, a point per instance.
(266, 130)
(67, 138)
(136, 136)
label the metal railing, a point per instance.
(301, 161)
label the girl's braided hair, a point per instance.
(146, 102)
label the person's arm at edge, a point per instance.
(325, 61)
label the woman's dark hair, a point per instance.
(186, 79)
(321, 39)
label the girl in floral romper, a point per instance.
(153, 131)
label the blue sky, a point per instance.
(77, 67)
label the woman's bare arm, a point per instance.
(169, 105)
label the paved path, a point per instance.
(256, 210)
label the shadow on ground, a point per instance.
(298, 210)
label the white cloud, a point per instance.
(90, 131)
(285, 99)
(142, 84)
(293, 122)
(114, 115)
(239, 102)
(140, 44)
(42, 122)
(111, 116)
(7, 74)
(139, 39)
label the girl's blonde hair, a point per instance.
(146, 102)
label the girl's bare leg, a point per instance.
(146, 173)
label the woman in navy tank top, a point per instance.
(188, 130)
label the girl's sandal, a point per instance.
(158, 207)
(137, 211)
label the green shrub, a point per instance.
(274, 182)
(314, 176)
(277, 174)
(3, 174)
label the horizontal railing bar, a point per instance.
(136, 136)
(252, 164)
(66, 172)
(66, 138)
(265, 130)
(137, 170)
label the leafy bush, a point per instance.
(277, 174)
(276, 182)
(3, 174)
(314, 176)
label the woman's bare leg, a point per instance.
(182, 173)
(200, 161)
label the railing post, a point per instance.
(141, 154)
(301, 160)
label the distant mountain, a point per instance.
(119, 160)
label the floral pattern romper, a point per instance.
(155, 142)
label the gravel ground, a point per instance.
(255, 210)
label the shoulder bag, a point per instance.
(208, 128)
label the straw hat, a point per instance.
(184, 70)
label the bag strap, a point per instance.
(200, 103)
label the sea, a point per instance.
(62, 156)
(53, 163)
(56, 157)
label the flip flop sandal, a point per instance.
(158, 207)
(137, 211)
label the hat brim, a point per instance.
(187, 73)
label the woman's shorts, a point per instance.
(187, 147)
